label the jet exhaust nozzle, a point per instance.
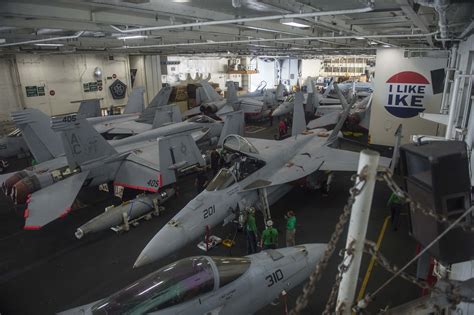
(28, 185)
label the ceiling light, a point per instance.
(50, 45)
(387, 46)
(181, 1)
(132, 37)
(360, 37)
(373, 43)
(293, 22)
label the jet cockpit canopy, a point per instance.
(201, 119)
(174, 284)
(239, 144)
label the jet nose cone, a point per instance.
(142, 260)
(277, 112)
(164, 243)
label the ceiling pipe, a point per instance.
(280, 40)
(369, 8)
(34, 41)
(440, 6)
(467, 30)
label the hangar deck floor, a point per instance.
(46, 271)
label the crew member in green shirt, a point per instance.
(395, 204)
(251, 229)
(290, 228)
(269, 237)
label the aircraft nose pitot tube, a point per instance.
(12, 180)
(29, 185)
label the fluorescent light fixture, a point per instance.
(49, 45)
(373, 43)
(132, 37)
(360, 37)
(293, 22)
(387, 46)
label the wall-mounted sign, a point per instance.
(93, 86)
(168, 62)
(32, 91)
(406, 92)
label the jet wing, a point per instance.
(251, 106)
(128, 128)
(200, 134)
(342, 160)
(193, 111)
(326, 120)
(141, 170)
(224, 110)
(52, 202)
(437, 118)
(308, 161)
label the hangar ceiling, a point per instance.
(253, 27)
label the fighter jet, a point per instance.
(355, 87)
(131, 122)
(271, 97)
(209, 102)
(263, 172)
(137, 162)
(14, 145)
(312, 101)
(213, 285)
(359, 115)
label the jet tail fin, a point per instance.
(135, 102)
(347, 108)
(43, 142)
(81, 142)
(166, 115)
(161, 99)
(233, 124)
(279, 91)
(177, 152)
(89, 108)
(329, 88)
(299, 122)
(232, 97)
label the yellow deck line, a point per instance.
(372, 261)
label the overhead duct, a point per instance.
(440, 6)
(34, 41)
(280, 39)
(369, 8)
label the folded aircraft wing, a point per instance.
(52, 202)
(153, 166)
(326, 120)
(342, 160)
(140, 170)
(306, 162)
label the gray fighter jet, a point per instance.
(263, 172)
(132, 121)
(213, 285)
(15, 146)
(270, 97)
(138, 162)
(312, 102)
